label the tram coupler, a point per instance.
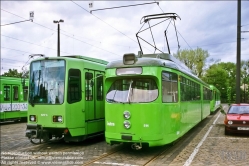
(136, 146)
(32, 130)
(35, 131)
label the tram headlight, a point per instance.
(230, 122)
(32, 118)
(127, 115)
(127, 124)
(57, 118)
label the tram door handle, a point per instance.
(83, 110)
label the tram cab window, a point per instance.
(132, 90)
(6, 93)
(15, 93)
(169, 87)
(74, 86)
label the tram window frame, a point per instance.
(6, 93)
(25, 93)
(182, 88)
(74, 86)
(190, 90)
(100, 88)
(89, 86)
(173, 88)
(206, 94)
(15, 93)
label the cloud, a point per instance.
(109, 34)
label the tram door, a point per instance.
(94, 100)
(11, 97)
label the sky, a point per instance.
(109, 34)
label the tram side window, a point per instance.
(183, 88)
(207, 94)
(99, 87)
(15, 93)
(25, 93)
(190, 90)
(74, 86)
(6, 93)
(169, 87)
(89, 86)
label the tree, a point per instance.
(245, 80)
(15, 73)
(217, 76)
(12, 73)
(193, 59)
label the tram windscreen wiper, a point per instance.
(128, 96)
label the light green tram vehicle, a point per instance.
(215, 102)
(13, 99)
(152, 99)
(66, 98)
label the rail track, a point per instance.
(94, 152)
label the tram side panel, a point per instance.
(190, 101)
(13, 96)
(157, 122)
(207, 98)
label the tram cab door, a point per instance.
(11, 97)
(94, 96)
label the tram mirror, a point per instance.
(129, 59)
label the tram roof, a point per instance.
(155, 60)
(88, 58)
(77, 57)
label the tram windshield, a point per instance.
(135, 90)
(47, 80)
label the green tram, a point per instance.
(13, 99)
(66, 98)
(215, 102)
(152, 100)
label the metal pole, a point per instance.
(238, 53)
(58, 53)
(244, 90)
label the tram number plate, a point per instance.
(243, 128)
(126, 137)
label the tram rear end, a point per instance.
(65, 99)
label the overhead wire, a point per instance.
(122, 6)
(12, 60)
(177, 30)
(244, 25)
(73, 36)
(15, 50)
(30, 43)
(103, 21)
